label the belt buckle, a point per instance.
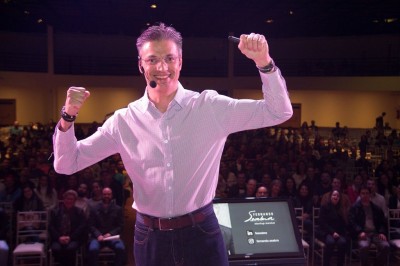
(164, 229)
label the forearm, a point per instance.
(64, 125)
(65, 151)
(276, 96)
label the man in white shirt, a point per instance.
(171, 141)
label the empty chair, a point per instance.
(31, 238)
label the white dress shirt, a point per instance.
(173, 158)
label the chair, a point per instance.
(354, 252)
(78, 258)
(318, 246)
(394, 233)
(300, 223)
(106, 256)
(31, 238)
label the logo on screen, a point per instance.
(260, 217)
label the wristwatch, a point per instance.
(66, 116)
(268, 68)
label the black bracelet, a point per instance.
(268, 68)
(67, 117)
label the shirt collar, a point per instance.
(179, 99)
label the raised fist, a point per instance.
(76, 96)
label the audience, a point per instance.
(267, 159)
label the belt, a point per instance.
(166, 224)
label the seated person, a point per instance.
(67, 229)
(367, 224)
(29, 203)
(332, 226)
(106, 219)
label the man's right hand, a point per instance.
(76, 96)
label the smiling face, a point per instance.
(335, 197)
(161, 61)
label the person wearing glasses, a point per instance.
(171, 141)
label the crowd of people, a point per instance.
(352, 192)
(85, 209)
(300, 164)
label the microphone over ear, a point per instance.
(141, 69)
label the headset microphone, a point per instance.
(153, 84)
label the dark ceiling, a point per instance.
(211, 18)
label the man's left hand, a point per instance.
(255, 47)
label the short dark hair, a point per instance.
(364, 187)
(157, 33)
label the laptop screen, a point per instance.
(258, 228)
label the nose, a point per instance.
(162, 65)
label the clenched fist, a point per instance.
(76, 96)
(255, 47)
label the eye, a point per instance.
(152, 61)
(170, 59)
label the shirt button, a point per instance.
(168, 164)
(169, 188)
(166, 141)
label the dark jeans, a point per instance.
(330, 244)
(200, 244)
(382, 246)
(95, 246)
(65, 254)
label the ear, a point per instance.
(141, 70)
(180, 63)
